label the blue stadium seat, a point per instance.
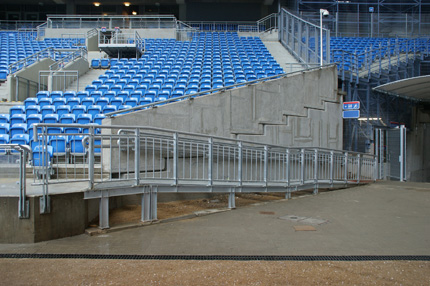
(32, 119)
(79, 109)
(21, 139)
(95, 63)
(20, 128)
(98, 118)
(51, 118)
(94, 109)
(17, 109)
(63, 109)
(18, 118)
(4, 128)
(32, 109)
(84, 119)
(67, 118)
(4, 118)
(47, 109)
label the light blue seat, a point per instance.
(63, 109)
(4, 128)
(67, 118)
(20, 128)
(18, 118)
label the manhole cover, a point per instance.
(304, 220)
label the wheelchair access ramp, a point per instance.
(119, 44)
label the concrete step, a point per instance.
(282, 55)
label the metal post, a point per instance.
(23, 203)
(287, 168)
(358, 168)
(104, 210)
(316, 172)
(265, 171)
(175, 158)
(91, 158)
(154, 191)
(331, 167)
(345, 175)
(137, 157)
(239, 171)
(302, 166)
(402, 157)
(210, 161)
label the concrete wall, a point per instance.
(68, 217)
(302, 109)
(30, 73)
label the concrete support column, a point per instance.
(232, 199)
(104, 211)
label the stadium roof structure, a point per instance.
(416, 88)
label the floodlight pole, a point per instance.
(322, 12)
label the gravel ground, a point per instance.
(156, 272)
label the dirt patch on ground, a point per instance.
(132, 213)
(160, 272)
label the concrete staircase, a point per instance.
(4, 92)
(282, 56)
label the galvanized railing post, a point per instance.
(331, 167)
(287, 167)
(137, 157)
(24, 204)
(315, 171)
(266, 159)
(358, 168)
(302, 166)
(345, 175)
(91, 158)
(375, 169)
(175, 158)
(239, 165)
(210, 161)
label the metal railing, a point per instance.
(58, 80)
(268, 23)
(55, 54)
(146, 155)
(25, 88)
(302, 38)
(224, 26)
(24, 154)
(111, 22)
(16, 25)
(71, 56)
(352, 65)
(124, 160)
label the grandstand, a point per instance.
(204, 107)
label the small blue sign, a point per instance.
(349, 114)
(371, 9)
(351, 105)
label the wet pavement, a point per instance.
(385, 218)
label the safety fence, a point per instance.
(303, 38)
(373, 62)
(110, 22)
(124, 160)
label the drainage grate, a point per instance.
(223, 257)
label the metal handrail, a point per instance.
(261, 22)
(25, 151)
(71, 57)
(362, 64)
(16, 66)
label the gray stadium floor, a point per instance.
(385, 218)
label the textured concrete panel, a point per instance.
(302, 109)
